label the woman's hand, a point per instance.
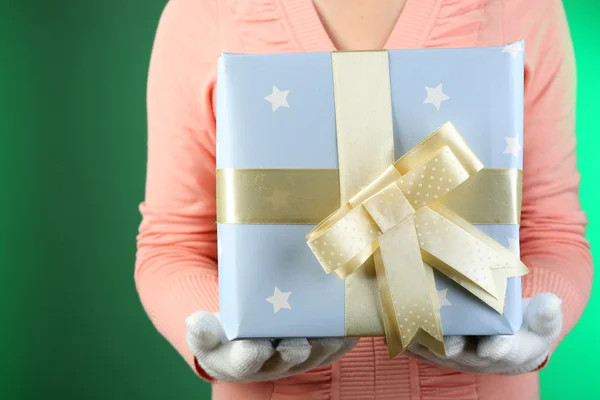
(257, 360)
(522, 352)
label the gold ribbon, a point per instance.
(399, 219)
(393, 219)
(307, 196)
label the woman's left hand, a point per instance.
(515, 354)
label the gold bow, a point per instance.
(400, 221)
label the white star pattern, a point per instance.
(219, 249)
(442, 298)
(513, 244)
(512, 146)
(278, 98)
(435, 96)
(279, 300)
(514, 49)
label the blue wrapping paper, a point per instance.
(277, 111)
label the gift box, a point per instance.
(300, 134)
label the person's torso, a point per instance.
(276, 26)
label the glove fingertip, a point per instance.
(248, 356)
(545, 314)
(544, 305)
(204, 330)
(454, 345)
(294, 351)
(495, 347)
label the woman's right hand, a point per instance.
(244, 361)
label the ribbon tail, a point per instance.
(407, 292)
(466, 255)
(390, 322)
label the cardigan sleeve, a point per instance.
(176, 268)
(553, 225)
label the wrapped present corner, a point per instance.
(402, 171)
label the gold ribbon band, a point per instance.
(361, 86)
(492, 196)
(276, 196)
(307, 196)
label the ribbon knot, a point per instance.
(399, 221)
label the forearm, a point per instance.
(176, 271)
(553, 243)
(170, 292)
(176, 266)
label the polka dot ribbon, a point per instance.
(398, 220)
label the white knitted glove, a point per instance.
(257, 360)
(505, 354)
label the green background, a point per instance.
(72, 165)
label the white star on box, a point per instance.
(435, 96)
(512, 146)
(279, 300)
(513, 244)
(514, 49)
(278, 98)
(442, 298)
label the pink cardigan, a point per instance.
(176, 270)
